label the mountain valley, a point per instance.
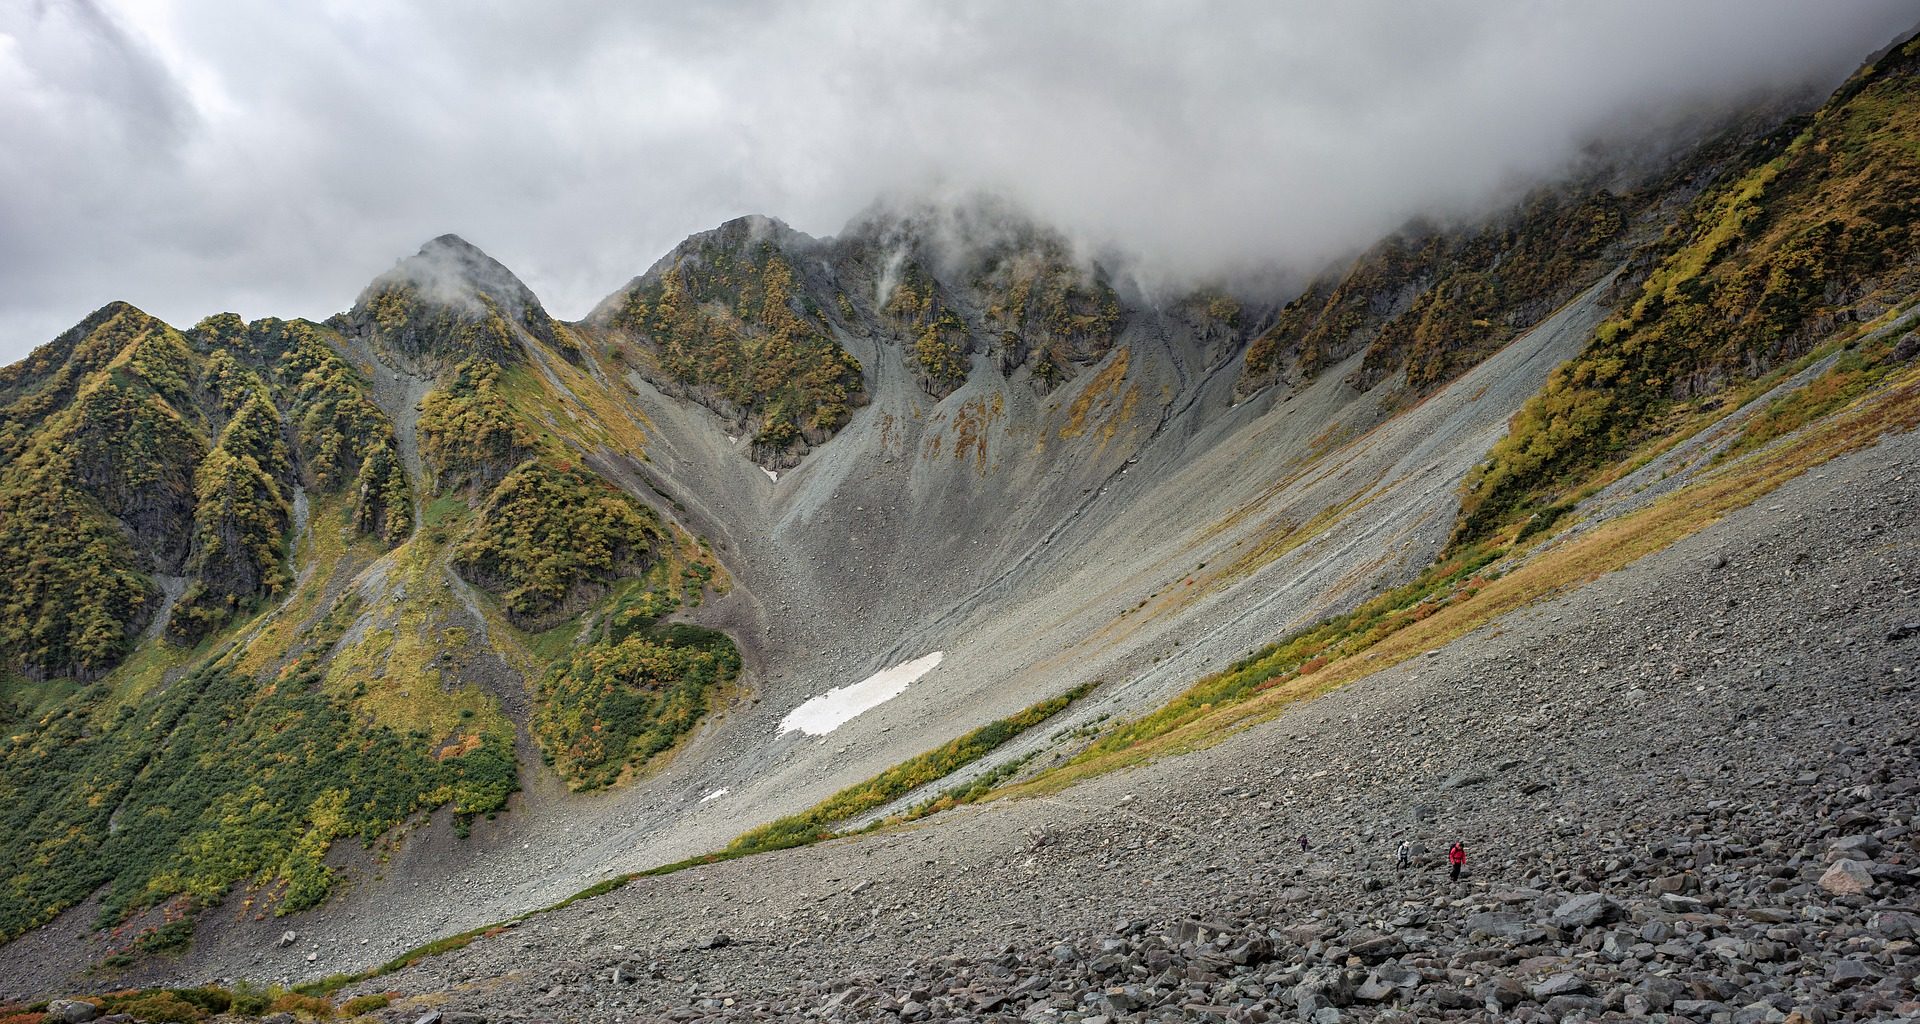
(935, 621)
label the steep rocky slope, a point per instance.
(444, 557)
(1616, 862)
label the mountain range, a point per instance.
(443, 609)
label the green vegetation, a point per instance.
(366, 1004)
(469, 435)
(940, 353)
(616, 704)
(552, 537)
(121, 452)
(189, 1005)
(211, 782)
(382, 501)
(335, 424)
(818, 822)
(799, 830)
(240, 521)
(727, 325)
(625, 690)
(405, 320)
(1759, 269)
(74, 597)
(147, 449)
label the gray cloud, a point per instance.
(197, 157)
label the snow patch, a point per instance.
(715, 795)
(834, 708)
(771, 475)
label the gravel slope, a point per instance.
(1716, 723)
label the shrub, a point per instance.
(158, 1007)
(250, 999)
(366, 1004)
(294, 1002)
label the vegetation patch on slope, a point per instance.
(552, 538)
(469, 435)
(727, 325)
(819, 822)
(625, 687)
(212, 782)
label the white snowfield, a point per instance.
(834, 708)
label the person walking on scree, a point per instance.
(1456, 856)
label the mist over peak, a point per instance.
(235, 159)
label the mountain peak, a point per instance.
(449, 270)
(448, 300)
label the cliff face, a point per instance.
(1433, 300)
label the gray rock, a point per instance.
(1378, 948)
(1503, 924)
(1585, 910)
(1558, 985)
(1678, 904)
(1894, 924)
(1850, 972)
(1847, 878)
(1563, 1007)
(1503, 992)
(1331, 985)
(71, 1011)
(1385, 980)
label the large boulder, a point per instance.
(1585, 911)
(71, 1011)
(1847, 877)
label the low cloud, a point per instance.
(193, 158)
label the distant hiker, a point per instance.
(1303, 843)
(1456, 856)
(1404, 855)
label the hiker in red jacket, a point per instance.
(1456, 856)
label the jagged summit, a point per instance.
(734, 239)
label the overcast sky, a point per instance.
(228, 155)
